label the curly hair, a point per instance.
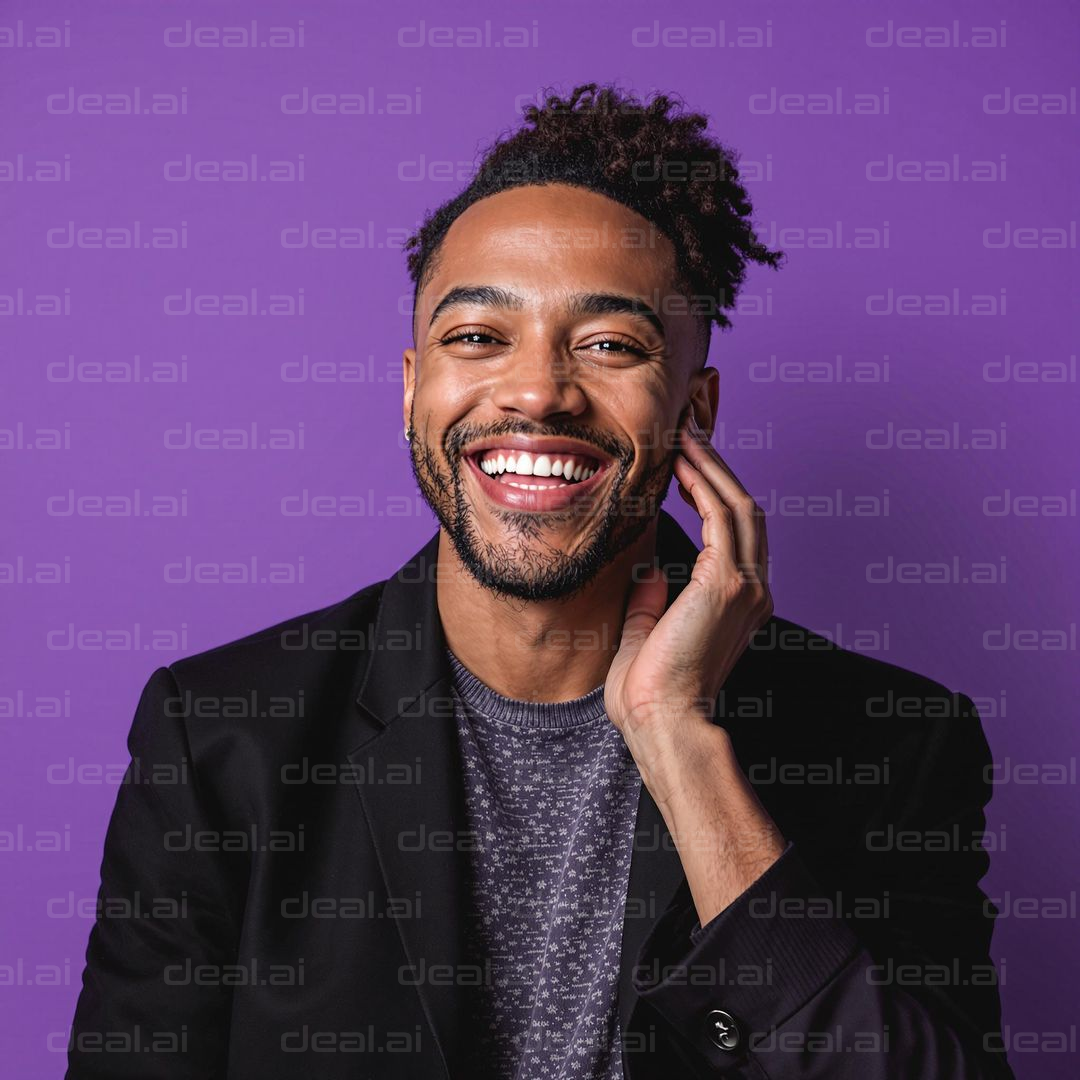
(657, 162)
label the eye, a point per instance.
(619, 347)
(470, 338)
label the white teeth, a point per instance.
(525, 464)
(535, 487)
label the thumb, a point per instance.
(648, 600)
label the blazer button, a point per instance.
(723, 1030)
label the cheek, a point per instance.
(652, 419)
(444, 395)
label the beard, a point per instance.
(527, 565)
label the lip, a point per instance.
(542, 501)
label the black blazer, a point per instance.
(284, 876)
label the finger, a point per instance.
(648, 600)
(726, 482)
(763, 547)
(746, 522)
(717, 527)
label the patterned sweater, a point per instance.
(552, 795)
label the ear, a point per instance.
(408, 366)
(705, 398)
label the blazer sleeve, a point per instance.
(165, 910)
(916, 995)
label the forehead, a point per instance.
(554, 239)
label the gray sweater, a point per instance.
(552, 794)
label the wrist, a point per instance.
(680, 762)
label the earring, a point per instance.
(409, 433)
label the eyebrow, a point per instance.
(580, 303)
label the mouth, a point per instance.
(536, 475)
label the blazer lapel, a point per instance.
(655, 875)
(419, 825)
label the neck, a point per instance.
(552, 650)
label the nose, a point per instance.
(539, 383)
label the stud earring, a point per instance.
(409, 433)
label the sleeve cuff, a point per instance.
(697, 930)
(759, 961)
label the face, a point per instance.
(555, 360)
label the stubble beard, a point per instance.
(529, 565)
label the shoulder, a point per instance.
(848, 743)
(786, 654)
(285, 651)
(236, 714)
(813, 701)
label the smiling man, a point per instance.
(562, 798)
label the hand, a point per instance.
(670, 666)
(662, 686)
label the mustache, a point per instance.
(462, 435)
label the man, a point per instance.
(549, 801)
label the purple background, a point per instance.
(372, 177)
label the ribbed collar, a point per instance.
(527, 714)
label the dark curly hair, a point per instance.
(662, 166)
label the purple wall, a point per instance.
(897, 163)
